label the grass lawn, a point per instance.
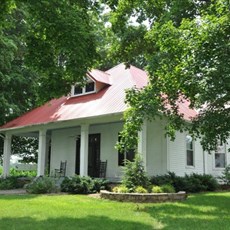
(202, 211)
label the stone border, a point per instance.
(143, 197)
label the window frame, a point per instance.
(122, 157)
(84, 88)
(191, 150)
(219, 153)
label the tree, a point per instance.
(45, 47)
(187, 50)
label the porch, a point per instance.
(82, 146)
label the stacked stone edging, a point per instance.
(143, 197)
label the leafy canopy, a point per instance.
(186, 47)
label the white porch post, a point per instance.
(6, 155)
(41, 153)
(84, 150)
(142, 144)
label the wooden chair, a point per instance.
(102, 169)
(61, 171)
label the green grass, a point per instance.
(202, 211)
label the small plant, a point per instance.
(41, 185)
(225, 178)
(22, 173)
(8, 183)
(140, 189)
(99, 184)
(135, 175)
(157, 189)
(120, 189)
(168, 188)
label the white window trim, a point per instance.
(193, 146)
(83, 89)
(214, 160)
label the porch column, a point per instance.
(84, 150)
(6, 155)
(142, 144)
(41, 153)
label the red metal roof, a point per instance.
(109, 100)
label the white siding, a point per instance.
(156, 148)
(63, 147)
(177, 156)
(211, 162)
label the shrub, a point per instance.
(83, 185)
(189, 183)
(225, 177)
(157, 189)
(41, 185)
(8, 183)
(22, 173)
(140, 189)
(120, 189)
(99, 184)
(168, 188)
(135, 175)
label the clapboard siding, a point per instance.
(156, 149)
(177, 156)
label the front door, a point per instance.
(93, 155)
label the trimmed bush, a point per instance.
(22, 173)
(157, 189)
(120, 189)
(8, 183)
(140, 189)
(168, 188)
(189, 183)
(41, 185)
(83, 185)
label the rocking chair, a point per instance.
(102, 169)
(61, 171)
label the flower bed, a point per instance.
(143, 197)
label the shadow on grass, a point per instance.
(198, 212)
(86, 223)
(18, 196)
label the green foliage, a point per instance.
(120, 189)
(156, 189)
(187, 58)
(140, 189)
(41, 185)
(22, 173)
(225, 177)
(168, 188)
(134, 174)
(189, 183)
(83, 185)
(9, 183)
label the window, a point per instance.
(189, 150)
(77, 90)
(88, 88)
(220, 155)
(128, 155)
